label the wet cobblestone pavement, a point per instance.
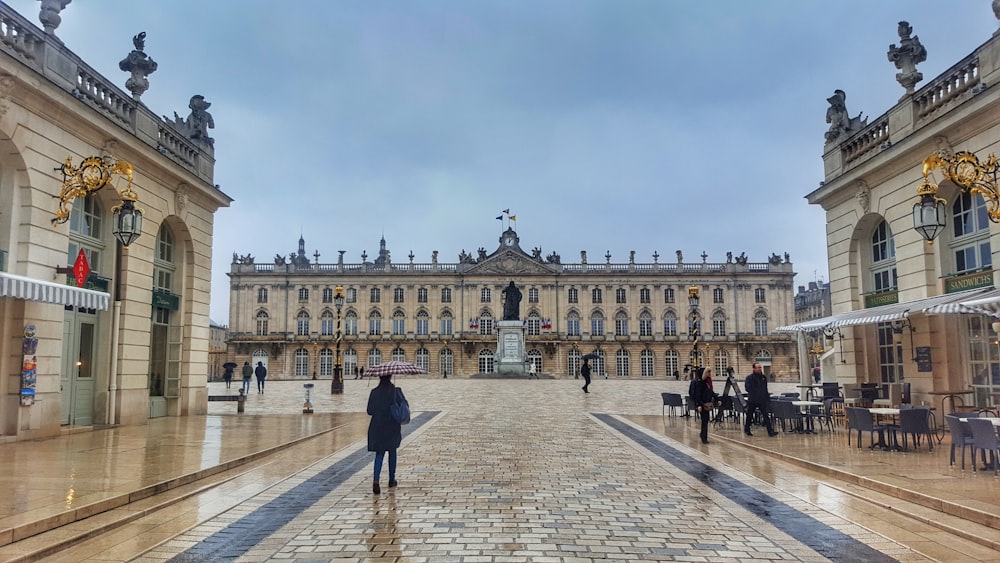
(505, 470)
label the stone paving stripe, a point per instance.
(828, 542)
(236, 539)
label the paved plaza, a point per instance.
(514, 470)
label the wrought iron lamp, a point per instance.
(693, 299)
(337, 385)
(898, 328)
(965, 170)
(831, 333)
(93, 173)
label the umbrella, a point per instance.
(590, 356)
(393, 368)
(229, 365)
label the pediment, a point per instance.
(510, 262)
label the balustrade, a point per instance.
(951, 84)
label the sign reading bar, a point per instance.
(968, 281)
(879, 299)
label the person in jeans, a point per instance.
(247, 374)
(261, 373)
(384, 434)
(585, 372)
(758, 399)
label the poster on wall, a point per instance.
(29, 363)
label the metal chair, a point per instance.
(984, 439)
(916, 422)
(672, 400)
(831, 390)
(961, 436)
(861, 421)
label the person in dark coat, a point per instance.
(227, 375)
(384, 434)
(705, 399)
(585, 372)
(247, 374)
(261, 372)
(758, 398)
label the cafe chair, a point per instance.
(984, 439)
(672, 401)
(861, 421)
(831, 390)
(916, 422)
(961, 437)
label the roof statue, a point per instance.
(906, 57)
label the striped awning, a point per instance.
(20, 287)
(894, 312)
(985, 303)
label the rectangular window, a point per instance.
(423, 325)
(533, 295)
(422, 295)
(670, 327)
(760, 327)
(262, 295)
(644, 295)
(759, 295)
(327, 295)
(645, 327)
(375, 325)
(446, 295)
(621, 327)
(718, 327)
(596, 296)
(486, 326)
(620, 296)
(352, 295)
(484, 295)
(376, 295)
(597, 327)
(351, 326)
(573, 327)
(573, 295)
(303, 294)
(398, 325)
(646, 365)
(668, 295)
(326, 326)
(717, 295)
(397, 295)
(534, 326)
(446, 325)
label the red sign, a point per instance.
(81, 269)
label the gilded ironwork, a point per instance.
(92, 174)
(965, 170)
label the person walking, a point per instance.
(531, 370)
(585, 372)
(704, 398)
(261, 372)
(758, 399)
(227, 374)
(247, 374)
(384, 434)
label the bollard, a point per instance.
(240, 402)
(307, 407)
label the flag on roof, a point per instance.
(513, 217)
(507, 211)
(499, 217)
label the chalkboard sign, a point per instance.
(923, 358)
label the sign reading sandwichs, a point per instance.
(968, 281)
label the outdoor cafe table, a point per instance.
(809, 390)
(803, 406)
(951, 395)
(883, 411)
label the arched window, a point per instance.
(760, 323)
(351, 362)
(486, 361)
(398, 322)
(573, 324)
(645, 323)
(485, 323)
(647, 363)
(326, 362)
(422, 359)
(351, 323)
(165, 339)
(302, 323)
(534, 323)
(622, 363)
(598, 365)
(326, 323)
(670, 323)
(301, 363)
(721, 363)
(883, 259)
(423, 322)
(672, 362)
(375, 323)
(597, 324)
(621, 323)
(573, 362)
(447, 323)
(398, 355)
(374, 357)
(261, 323)
(719, 323)
(535, 359)
(446, 363)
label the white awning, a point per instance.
(894, 312)
(986, 303)
(20, 287)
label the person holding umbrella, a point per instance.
(585, 372)
(384, 433)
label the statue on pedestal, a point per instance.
(906, 57)
(511, 303)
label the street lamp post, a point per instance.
(337, 386)
(93, 173)
(694, 327)
(973, 177)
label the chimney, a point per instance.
(812, 286)
(802, 289)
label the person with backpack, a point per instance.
(261, 373)
(384, 433)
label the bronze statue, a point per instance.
(511, 303)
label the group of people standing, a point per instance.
(702, 394)
(247, 372)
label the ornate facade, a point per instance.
(442, 316)
(904, 310)
(133, 343)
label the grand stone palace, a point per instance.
(443, 316)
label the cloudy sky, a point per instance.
(612, 125)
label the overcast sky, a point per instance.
(621, 125)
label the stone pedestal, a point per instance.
(510, 348)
